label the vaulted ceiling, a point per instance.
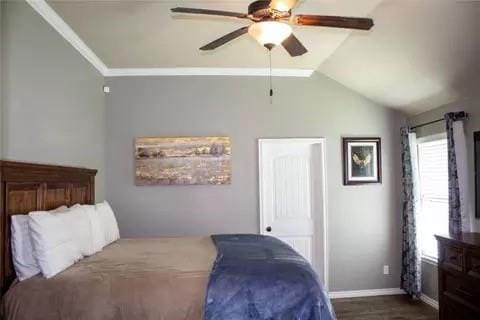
(145, 34)
(420, 54)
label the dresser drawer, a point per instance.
(462, 289)
(453, 257)
(453, 309)
(459, 276)
(473, 264)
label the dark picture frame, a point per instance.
(476, 139)
(362, 160)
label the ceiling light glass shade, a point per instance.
(270, 33)
(283, 5)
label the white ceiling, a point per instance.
(144, 34)
(421, 53)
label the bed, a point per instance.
(211, 277)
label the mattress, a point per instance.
(161, 278)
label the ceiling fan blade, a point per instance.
(334, 22)
(283, 5)
(294, 47)
(209, 12)
(226, 38)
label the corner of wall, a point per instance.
(44, 131)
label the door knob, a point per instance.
(268, 229)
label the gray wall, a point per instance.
(53, 103)
(53, 112)
(430, 280)
(472, 106)
(364, 221)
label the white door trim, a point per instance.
(324, 227)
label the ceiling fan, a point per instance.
(271, 27)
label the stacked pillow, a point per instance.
(108, 221)
(49, 242)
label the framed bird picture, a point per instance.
(362, 161)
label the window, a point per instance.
(433, 211)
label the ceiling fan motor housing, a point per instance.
(260, 11)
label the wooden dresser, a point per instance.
(459, 276)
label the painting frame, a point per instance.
(355, 171)
(182, 160)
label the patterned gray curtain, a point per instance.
(454, 212)
(411, 267)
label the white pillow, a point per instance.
(22, 250)
(98, 238)
(109, 222)
(59, 209)
(24, 262)
(54, 248)
(78, 223)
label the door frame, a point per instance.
(324, 215)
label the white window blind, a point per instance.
(433, 211)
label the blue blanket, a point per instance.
(259, 277)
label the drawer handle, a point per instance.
(463, 291)
(453, 258)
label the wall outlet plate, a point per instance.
(386, 269)
(106, 89)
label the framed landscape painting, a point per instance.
(182, 161)
(362, 161)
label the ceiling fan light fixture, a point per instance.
(270, 33)
(283, 5)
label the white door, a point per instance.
(292, 206)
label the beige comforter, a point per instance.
(130, 279)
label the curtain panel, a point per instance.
(459, 207)
(411, 262)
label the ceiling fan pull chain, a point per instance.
(271, 87)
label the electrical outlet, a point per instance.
(106, 89)
(386, 269)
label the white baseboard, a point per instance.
(379, 292)
(431, 302)
(365, 293)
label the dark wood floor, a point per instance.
(383, 308)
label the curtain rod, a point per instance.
(426, 124)
(457, 116)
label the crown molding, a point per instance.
(44, 9)
(252, 72)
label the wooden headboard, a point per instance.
(26, 187)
